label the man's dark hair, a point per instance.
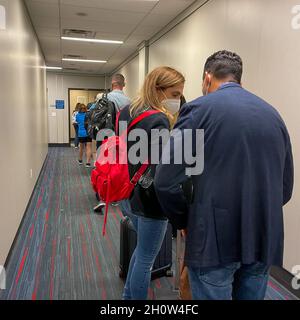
(224, 64)
(118, 79)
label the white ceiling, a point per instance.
(131, 21)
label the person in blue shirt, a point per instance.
(75, 124)
(117, 95)
(234, 221)
(85, 142)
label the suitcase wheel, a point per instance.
(122, 274)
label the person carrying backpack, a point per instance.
(117, 95)
(104, 116)
(161, 91)
(101, 116)
(154, 108)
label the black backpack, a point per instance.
(103, 116)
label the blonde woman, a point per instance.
(161, 91)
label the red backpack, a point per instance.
(110, 179)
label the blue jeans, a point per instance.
(125, 208)
(150, 236)
(233, 281)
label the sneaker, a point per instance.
(80, 162)
(99, 207)
(87, 165)
(76, 147)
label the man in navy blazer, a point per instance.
(234, 222)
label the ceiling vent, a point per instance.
(79, 33)
(73, 56)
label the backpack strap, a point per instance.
(134, 121)
(141, 117)
(104, 95)
(145, 165)
(117, 123)
(106, 209)
(137, 176)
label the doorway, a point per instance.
(85, 96)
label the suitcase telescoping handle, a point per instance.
(179, 258)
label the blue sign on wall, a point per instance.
(60, 104)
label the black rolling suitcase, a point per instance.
(163, 263)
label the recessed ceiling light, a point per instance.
(84, 60)
(92, 40)
(52, 68)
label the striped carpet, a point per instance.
(60, 253)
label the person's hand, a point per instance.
(183, 233)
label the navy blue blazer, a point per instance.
(236, 211)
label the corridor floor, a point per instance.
(60, 252)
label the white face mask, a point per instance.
(173, 105)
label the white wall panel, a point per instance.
(131, 73)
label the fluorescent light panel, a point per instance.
(84, 60)
(92, 40)
(52, 68)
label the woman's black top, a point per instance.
(143, 200)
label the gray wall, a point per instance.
(58, 85)
(23, 129)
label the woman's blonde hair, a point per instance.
(160, 78)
